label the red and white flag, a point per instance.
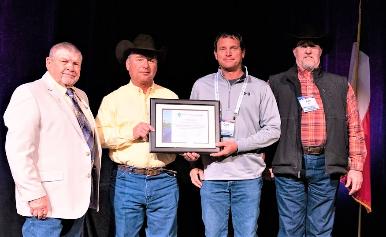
(359, 78)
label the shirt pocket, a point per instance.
(50, 176)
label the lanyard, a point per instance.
(241, 95)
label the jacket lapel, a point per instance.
(64, 107)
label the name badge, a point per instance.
(308, 103)
(227, 128)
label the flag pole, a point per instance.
(359, 220)
(355, 80)
(358, 41)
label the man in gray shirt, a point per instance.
(231, 178)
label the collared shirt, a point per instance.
(118, 114)
(62, 90)
(55, 84)
(313, 124)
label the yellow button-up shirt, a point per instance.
(119, 113)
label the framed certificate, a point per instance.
(184, 125)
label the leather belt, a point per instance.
(147, 171)
(313, 150)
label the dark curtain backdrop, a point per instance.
(187, 29)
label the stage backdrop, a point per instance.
(28, 29)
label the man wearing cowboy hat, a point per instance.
(142, 185)
(321, 140)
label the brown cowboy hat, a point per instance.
(308, 32)
(142, 43)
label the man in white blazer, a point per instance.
(56, 173)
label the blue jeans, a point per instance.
(307, 205)
(52, 227)
(136, 196)
(240, 197)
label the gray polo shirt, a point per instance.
(257, 125)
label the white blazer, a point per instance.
(47, 152)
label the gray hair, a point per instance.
(64, 45)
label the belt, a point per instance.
(313, 150)
(146, 171)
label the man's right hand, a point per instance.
(191, 156)
(196, 176)
(40, 207)
(141, 131)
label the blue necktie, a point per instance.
(82, 120)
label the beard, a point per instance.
(309, 64)
(308, 67)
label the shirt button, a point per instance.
(87, 153)
(88, 175)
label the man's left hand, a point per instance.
(354, 181)
(227, 148)
(40, 207)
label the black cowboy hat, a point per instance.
(142, 43)
(307, 32)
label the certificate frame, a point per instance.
(184, 125)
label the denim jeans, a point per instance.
(52, 227)
(136, 197)
(307, 205)
(240, 197)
